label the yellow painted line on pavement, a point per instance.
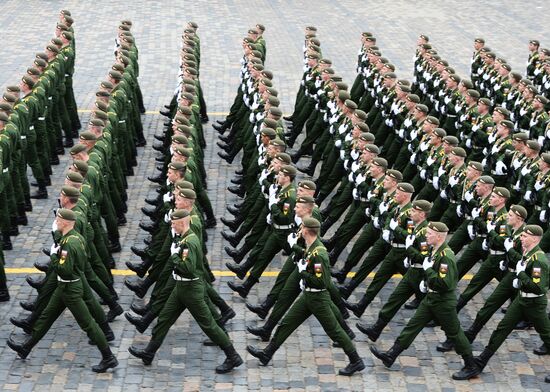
(157, 112)
(127, 272)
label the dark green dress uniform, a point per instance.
(530, 303)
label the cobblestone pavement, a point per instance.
(307, 361)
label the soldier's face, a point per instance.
(532, 47)
(528, 241)
(495, 200)
(513, 219)
(478, 45)
(300, 209)
(432, 236)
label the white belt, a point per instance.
(312, 290)
(364, 199)
(511, 270)
(431, 291)
(483, 236)
(67, 281)
(282, 227)
(50, 98)
(451, 115)
(538, 208)
(396, 245)
(67, 75)
(529, 295)
(31, 128)
(496, 252)
(417, 265)
(6, 170)
(41, 118)
(23, 137)
(182, 279)
(121, 121)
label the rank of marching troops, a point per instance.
(92, 205)
(174, 262)
(409, 163)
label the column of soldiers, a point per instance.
(92, 204)
(34, 116)
(277, 214)
(174, 262)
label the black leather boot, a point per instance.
(327, 223)
(42, 192)
(237, 254)
(26, 324)
(239, 270)
(413, 304)
(356, 364)
(232, 360)
(470, 369)
(233, 225)
(309, 170)
(141, 323)
(22, 349)
(264, 355)
(233, 239)
(244, 288)
(542, 350)
(372, 332)
(6, 242)
(139, 268)
(262, 309)
(29, 306)
(263, 332)
(35, 283)
(147, 354)
(4, 293)
(359, 308)
(140, 309)
(389, 357)
(447, 345)
(227, 314)
(139, 287)
(472, 332)
(114, 310)
(482, 359)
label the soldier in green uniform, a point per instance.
(533, 59)
(188, 293)
(68, 259)
(315, 300)
(440, 283)
(531, 279)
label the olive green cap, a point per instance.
(501, 191)
(28, 81)
(179, 214)
(313, 56)
(274, 101)
(380, 162)
(360, 114)
(102, 93)
(485, 101)
(367, 137)
(455, 77)
(423, 108)
(179, 166)
(81, 166)
(74, 177)
(519, 210)
(271, 123)
(545, 156)
(180, 139)
(311, 223)
(275, 112)
(39, 62)
(272, 91)
(179, 119)
(115, 75)
(77, 148)
(305, 200)
(277, 142)
(372, 148)
(343, 95)
(535, 230)
(533, 145)
(459, 151)
(394, 174)
(269, 132)
(405, 187)
(473, 93)
(432, 120)
(413, 98)
(185, 110)
(325, 61)
(182, 184)
(363, 127)
(505, 112)
(476, 165)
(452, 140)
(440, 132)
(6, 107)
(66, 214)
(185, 152)
(4, 117)
(342, 85)
(307, 184)
(542, 99)
(390, 75)
(96, 122)
(70, 191)
(439, 227)
(101, 106)
(520, 136)
(487, 180)
(422, 205)
(283, 157)
(52, 48)
(289, 170)
(106, 84)
(508, 124)
(350, 104)
(188, 193)
(266, 82)
(87, 135)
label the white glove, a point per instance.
(292, 239)
(423, 287)
(515, 283)
(360, 179)
(502, 266)
(346, 163)
(54, 225)
(428, 263)
(406, 262)
(453, 180)
(174, 249)
(469, 143)
(413, 158)
(491, 226)
(435, 182)
(54, 249)
(475, 212)
(376, 222)
(302, 285)
(423, 174)
(367, 211)
(527, 196)
(485, 245)
(302, 265)
(508, 244)
(520, 266)
(167, 197)
(459, 212)
(409, 241)
(350, 176)
(500, 168)
(402, 133)
(393, 224)
(443, 195)
(272, 200)
(468, 196)
(471, 233)
(542, 216)
(383, 207)
(272, 189)
(355, 194)
(338, 143)
(268, 219)
(386, 235)
(342, 154)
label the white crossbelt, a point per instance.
(523, 294)
(417, 265)
(312, 290)
(496, 252)
(181, 278)
(282, 227)
(396, 245)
